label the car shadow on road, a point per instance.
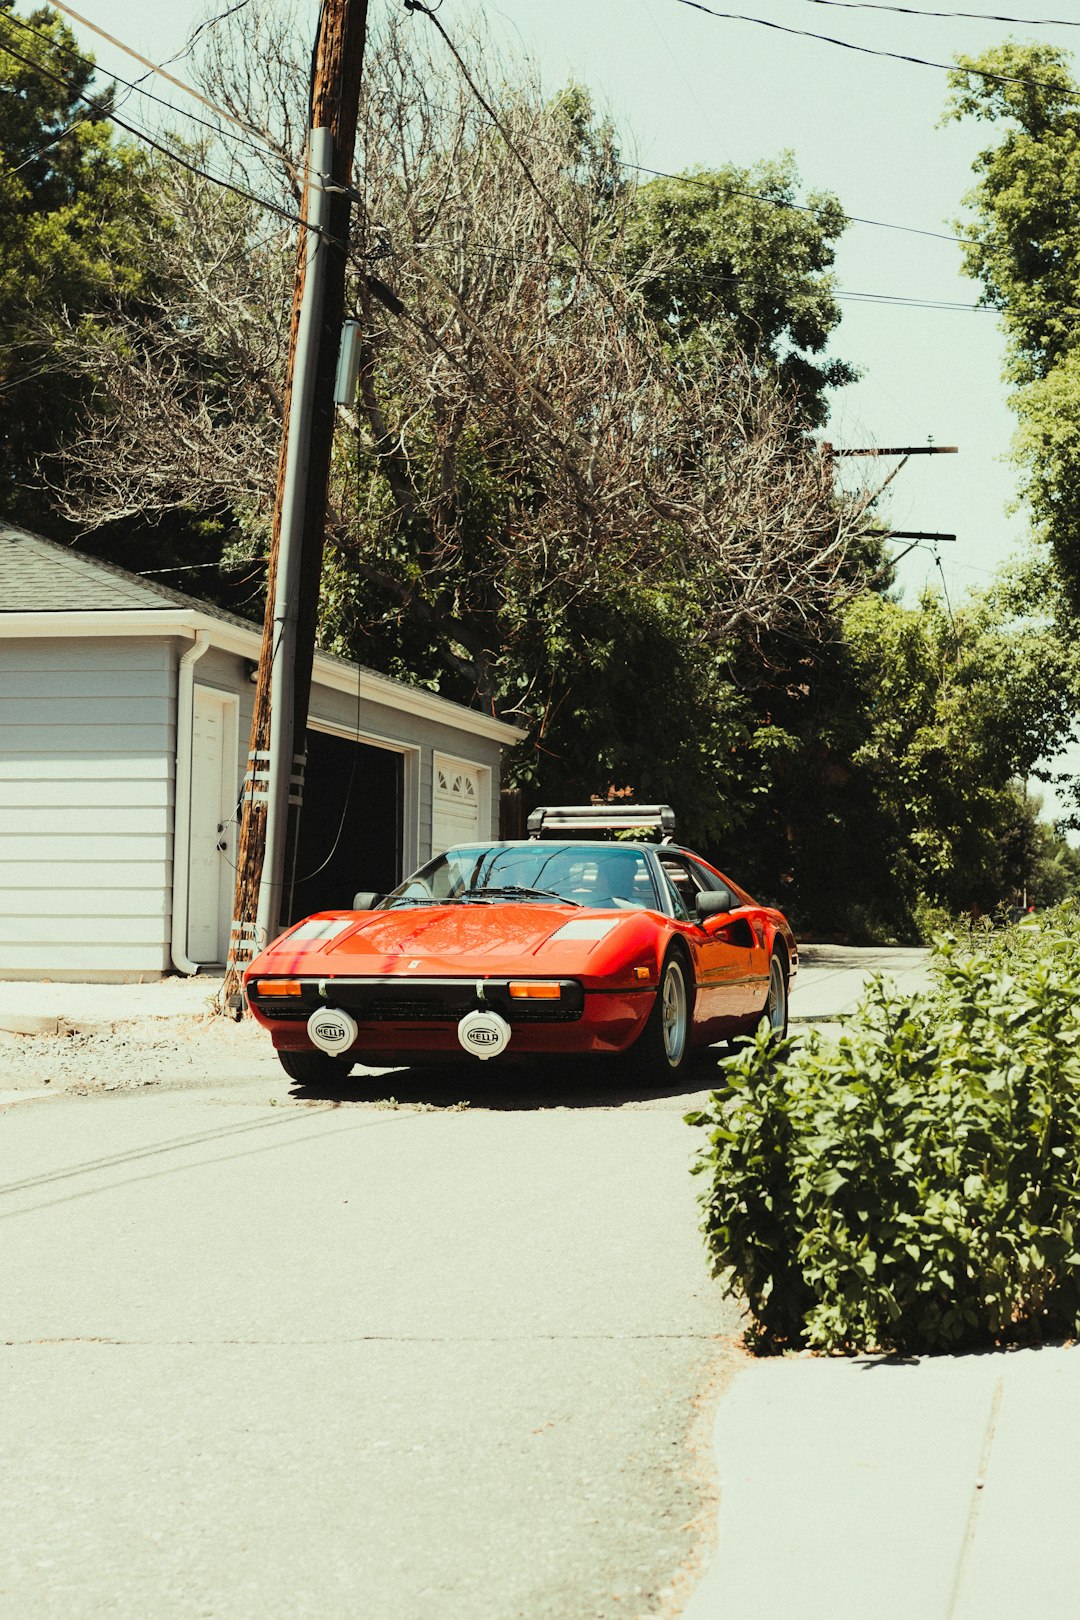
(569, 1083)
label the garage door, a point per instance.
(457, 800)
(351, 822)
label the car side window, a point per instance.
(682, 880)
(704, 879)
(678, 905)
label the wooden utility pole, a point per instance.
(273, 786)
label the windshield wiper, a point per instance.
(516, 889)
(466, 897)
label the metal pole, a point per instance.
(281, 764)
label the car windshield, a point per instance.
(610, 877)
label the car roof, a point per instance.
(574, 843)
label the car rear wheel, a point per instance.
(662, 1050)
(315, 1068)
(775, 1014)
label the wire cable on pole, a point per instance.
(704, 280)
(547, 204)
(778, 202)
(870, 50)
(783, 202)
(587, 266)
(154, 67)
(105, 112)
(967, 16)
(134, 86)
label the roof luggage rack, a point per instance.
(600, 820)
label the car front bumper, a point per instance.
(399, 1019)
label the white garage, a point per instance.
(125, 713)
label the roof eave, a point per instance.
(336, 673)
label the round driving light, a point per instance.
(332, 1030)
(484, 1033)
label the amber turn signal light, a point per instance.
(523, 990)
(642, 973)
(278, 987)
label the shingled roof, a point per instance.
(40, 576)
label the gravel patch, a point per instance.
(128, 1055)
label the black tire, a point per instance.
(662, 1050)
(315, 1068)
(774, 1015)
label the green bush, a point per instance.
(913, 1185)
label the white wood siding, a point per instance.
(87, 762)
(87, 749)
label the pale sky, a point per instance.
(687, 88)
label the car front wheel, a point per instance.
(663, 1047)
(315, 1068)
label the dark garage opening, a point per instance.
(356, 790)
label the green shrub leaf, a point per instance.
(913, 1185)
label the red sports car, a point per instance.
(557, 945)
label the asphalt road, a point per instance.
(328, 1358)
(435, 1346)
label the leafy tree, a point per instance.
(532, 484)
(727, 251)
(73, 203)
(957, 709)
(1024, 247)
(1053, 873)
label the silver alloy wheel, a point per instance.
(775, 1013)
(673, 1013)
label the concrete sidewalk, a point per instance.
(944, 1488)
(940, 1489)
(32, 1007)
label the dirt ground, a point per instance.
(124, 1056)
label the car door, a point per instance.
(723, 965)
(745, 926)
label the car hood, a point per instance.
(443, 940)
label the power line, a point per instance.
(902, 302)
(154, 67)
(869, 50)
(32, 157)
(291, 218)
(547, 204)
(211, 22)
(944, 588)
(772, 202)
(189, 568)
(704, 280)
(261, 151)
(781, 202)
(881, 298)
(968, 16)
(264, 151)
(157, 146)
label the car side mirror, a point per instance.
(715, 902)
(366, 900)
